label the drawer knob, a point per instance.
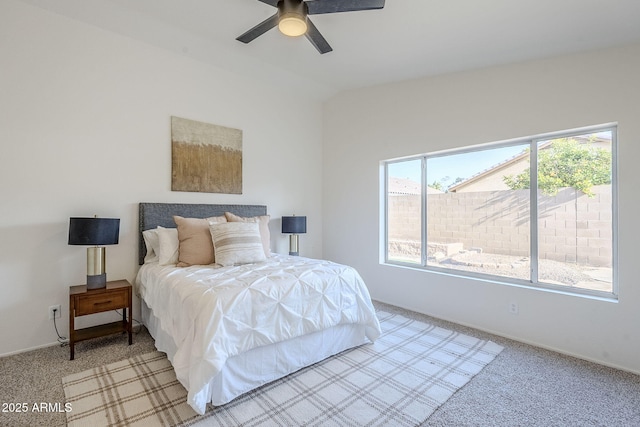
(102, 303)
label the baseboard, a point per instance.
(25, 350)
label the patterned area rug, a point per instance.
(403, 377)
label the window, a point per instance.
(479, 211)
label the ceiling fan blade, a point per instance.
(273, 3)
(316, 39)
(317, 7)
(259, 29)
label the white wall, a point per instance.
(85, 129)
(366, 126)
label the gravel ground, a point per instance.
(518, 267)
(554, 272)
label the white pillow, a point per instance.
(152, 243)
(237, 243)
(168, 247)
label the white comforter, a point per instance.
(214, 313)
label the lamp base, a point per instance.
(293, 245)
(98, 281)
(96, 271)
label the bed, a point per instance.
(230, 329)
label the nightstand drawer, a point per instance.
(90, 304)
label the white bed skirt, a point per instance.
(259, 366)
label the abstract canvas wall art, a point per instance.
(205, 158)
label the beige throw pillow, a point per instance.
(263, 226)
(237, 243)
(196, 247)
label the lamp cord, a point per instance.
(61, 340)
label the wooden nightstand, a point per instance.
(115, 295)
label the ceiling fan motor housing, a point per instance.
(296, 7)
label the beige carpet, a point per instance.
(410, 371)
(524, 385)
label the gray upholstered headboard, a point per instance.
(161, 214)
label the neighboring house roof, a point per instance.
(407, 186)
(512, 162)
(522, 157)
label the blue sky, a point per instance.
(454, 166)
(447, 168)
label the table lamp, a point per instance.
(95, 232)
(294, 225)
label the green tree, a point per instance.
(437, 185)
(443, 184)
(567, 163)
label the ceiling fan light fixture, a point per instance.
(292, 24)
(292, 20)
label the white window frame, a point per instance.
(534, 281)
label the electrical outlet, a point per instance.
(55, 310)
(513, 308)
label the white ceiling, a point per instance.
(406, 39)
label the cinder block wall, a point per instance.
(573, 227)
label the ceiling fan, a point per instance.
(292, 20)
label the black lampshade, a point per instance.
(294, 224)
(94, 231)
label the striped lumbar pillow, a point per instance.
(236, 243)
